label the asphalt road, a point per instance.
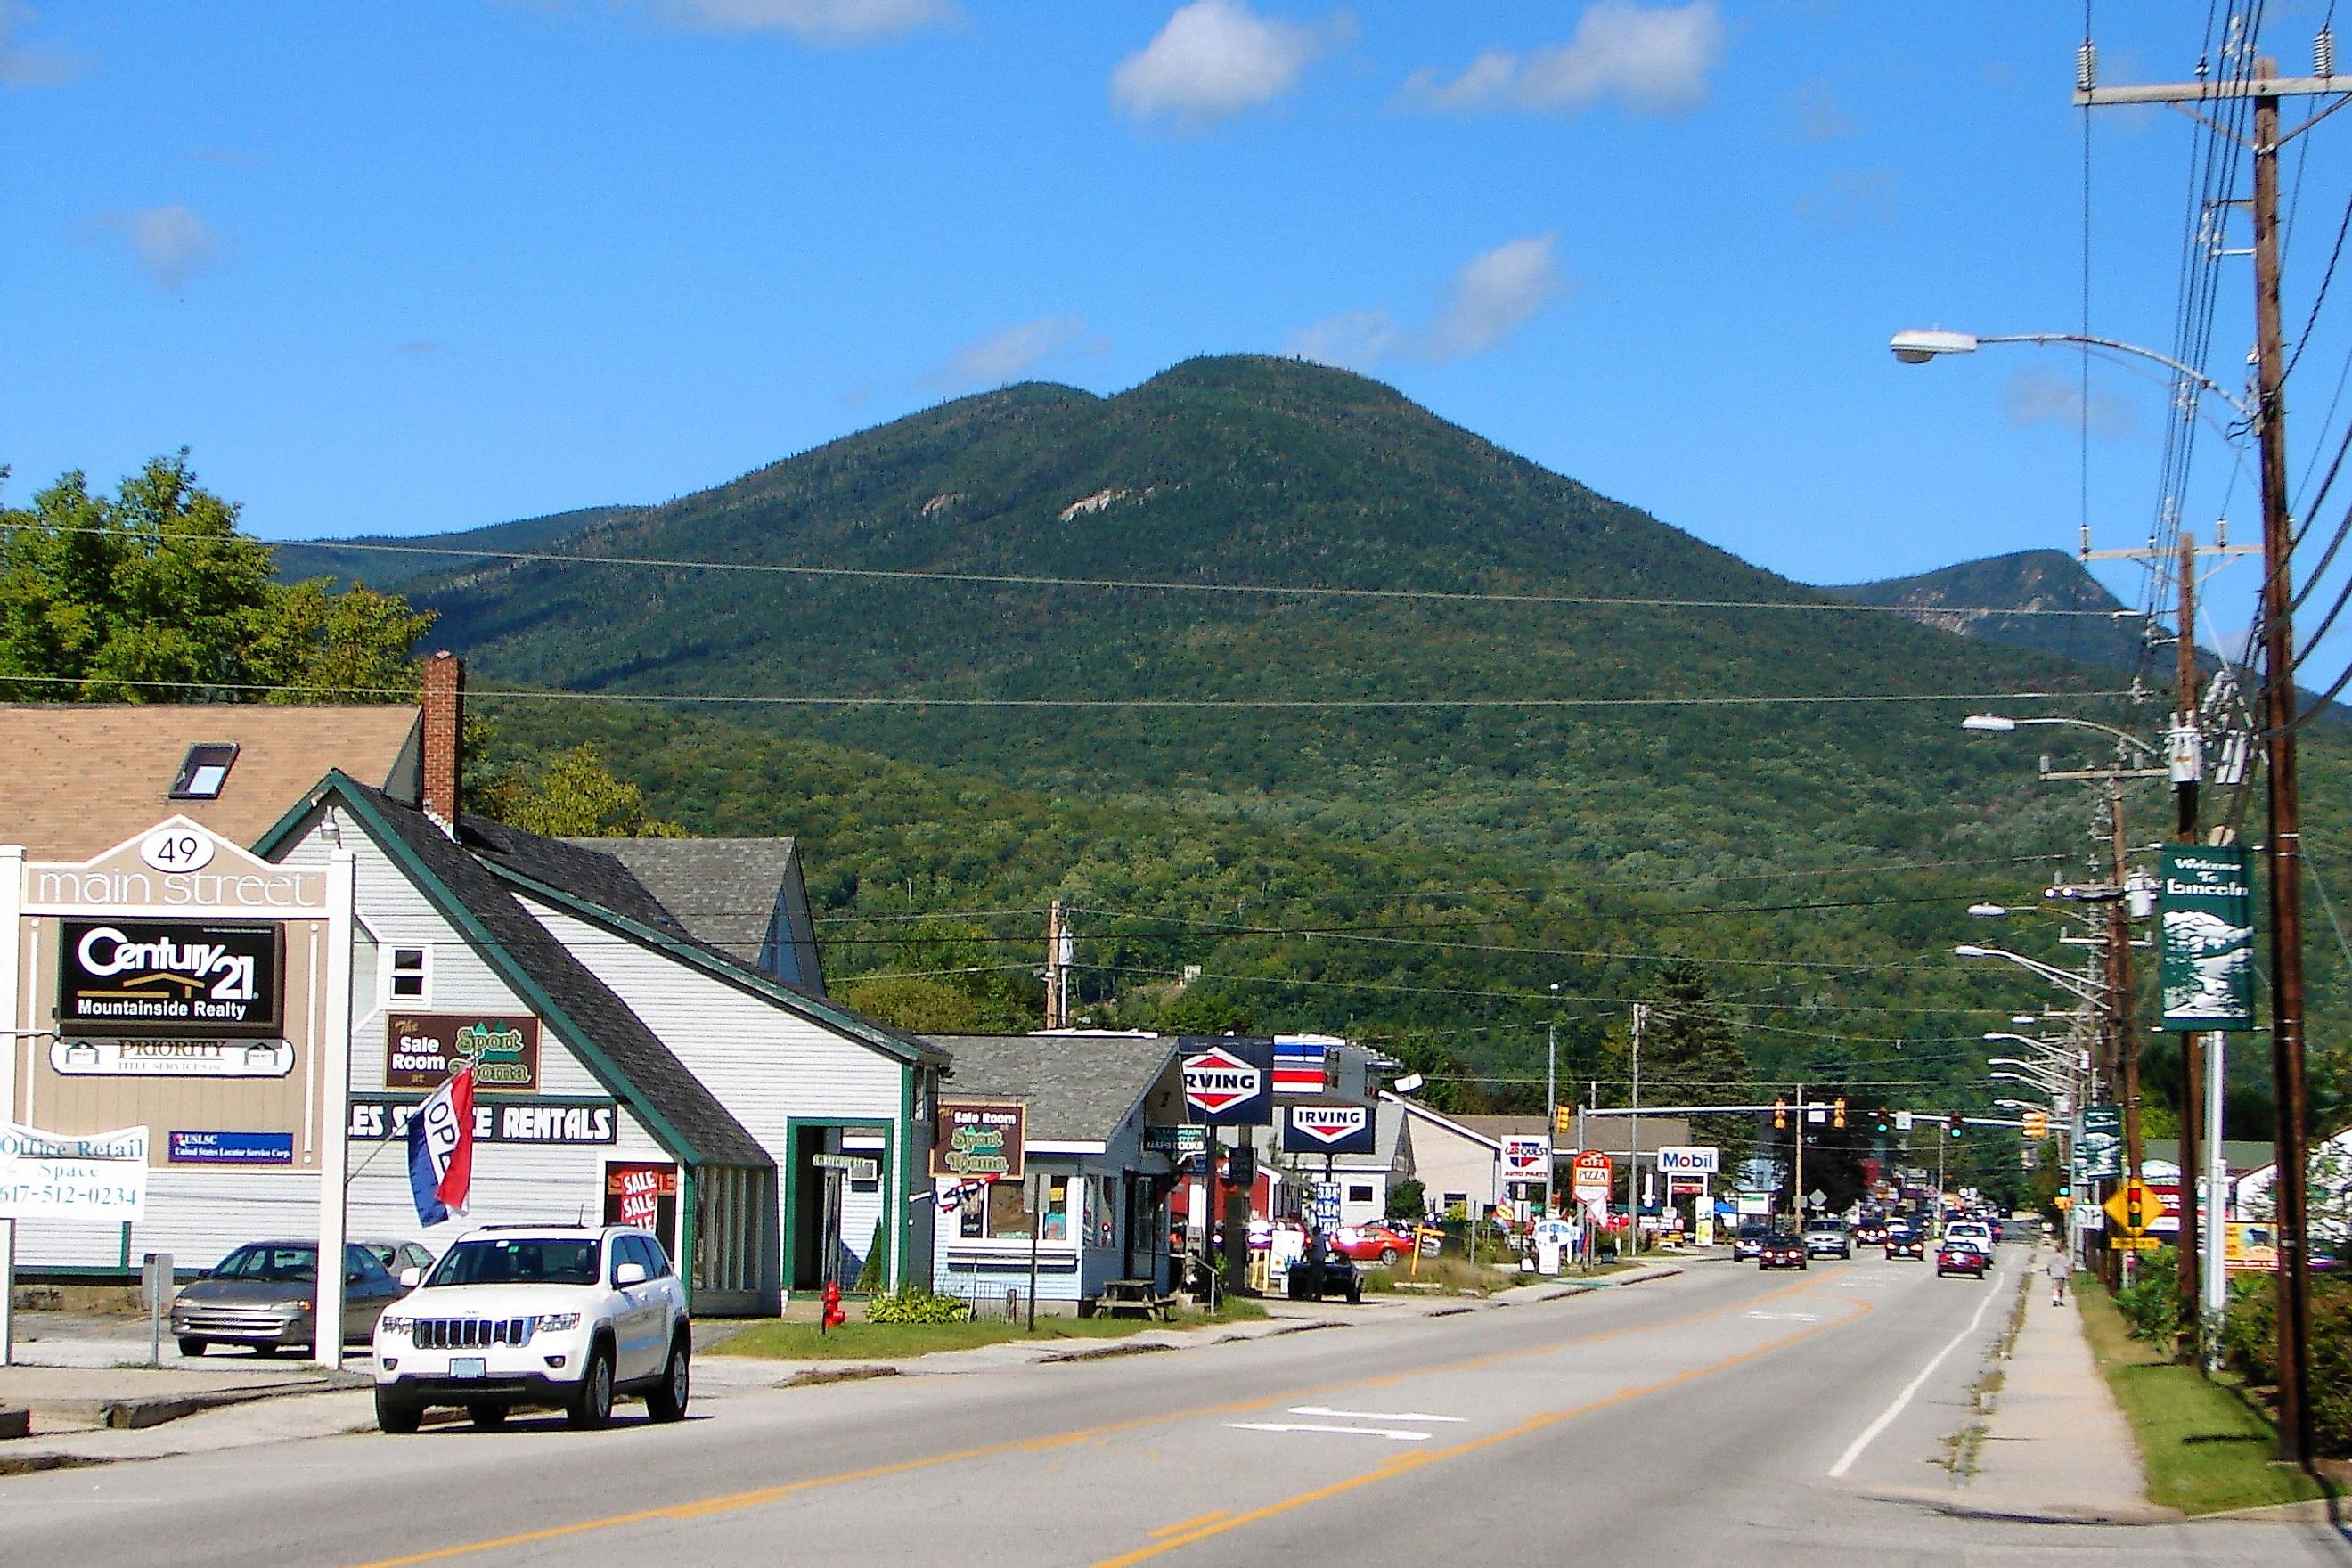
(1698, 1418)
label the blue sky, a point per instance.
(398, 268)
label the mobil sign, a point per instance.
(1689, 1160)
(1524, 1159)
(1229, 1082)
(1326, 1130)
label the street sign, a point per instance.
(1591, 1179)
(2134, 1243)
(1183, 1139)
(856, 1167)
(2206, 945)
(1817, 1197)
(1903, 1122)
(2133, 1208)
(1524, 1158)
(2099, 1151)
(1229, 1082)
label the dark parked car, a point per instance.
(265, 1295)
(1320, 1271)
(1782, 1250)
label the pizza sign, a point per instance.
(1328, 1129)
(1229, 1082)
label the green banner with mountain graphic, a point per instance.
(2207, 949)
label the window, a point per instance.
(1360, 1192)
(523, 1262)
(203, 772)
(406, 980)
(1004, 1214)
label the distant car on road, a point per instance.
(1749, 1240)
(265, 1295)
(1971, 1230)
(1783, 1249)
(1828, 1238)
(1959, 1258)
(1870, 1233)
(1905, 1241)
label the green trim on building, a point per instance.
(788, 1174)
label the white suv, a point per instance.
(557, 1315)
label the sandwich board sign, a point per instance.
(1229, 1082)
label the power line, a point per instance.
(1131, 585)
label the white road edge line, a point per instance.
(1368, 1415)
(1886, 1418)
(1391, 1434)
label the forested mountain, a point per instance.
(1592, 743)
(437, 555)
(1966, 598)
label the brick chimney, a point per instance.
(445, 736)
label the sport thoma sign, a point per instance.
(978, 1137)
(2206, 954)
(422, 1050)
(1326, 1130)
(135, 978)
(1229, 1082)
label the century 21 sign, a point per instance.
(141, 978)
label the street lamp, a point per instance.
(2001, 724)
(1919, 347)
(2080, 985)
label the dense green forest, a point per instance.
(1544, 740)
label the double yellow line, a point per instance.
(1188, 1530)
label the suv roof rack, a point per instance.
(543, 1225)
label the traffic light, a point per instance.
(1837, 1113)
(2037, 1123)
(1779, 1116)
(1953, 1123)
(1885, 1116)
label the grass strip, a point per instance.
(776, 1339)
(2202, 1447)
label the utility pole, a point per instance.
(1634, 1160)
(2119, 998)
(1551, 1106)
(2282, 849)
(1798, 1196)
(1060, 949)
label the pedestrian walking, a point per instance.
(2060, 1267)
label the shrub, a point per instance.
(1407, 1200)
(917, 1306)
(2331, 1366)
(2250, 1332)
(2151, 1302)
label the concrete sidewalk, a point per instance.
(2056, 1448)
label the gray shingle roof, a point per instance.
(672, 1092)
(743, 896)
(1078, 1087)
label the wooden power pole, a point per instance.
(2283, 849)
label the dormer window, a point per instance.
(204, 773)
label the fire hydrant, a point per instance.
(834, 1316)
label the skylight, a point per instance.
(204, 773)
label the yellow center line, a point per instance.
(760, 1496)
(1178, 1529)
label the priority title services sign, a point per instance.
(143, 978)
(2206, 952)
(980, 1138)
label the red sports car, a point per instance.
(1372, 1243)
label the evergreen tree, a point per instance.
(1690, 1057)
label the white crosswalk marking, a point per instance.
(1366, 1415)
(1393, 1434)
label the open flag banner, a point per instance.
(441, 1150)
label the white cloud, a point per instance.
(1491, 297)
(1651, 59)
(2046, 397)
(1214, 59)
(1007, 355)
(31, 65)
(814, 21)
(172, 242)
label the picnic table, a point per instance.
(1133, 1298)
